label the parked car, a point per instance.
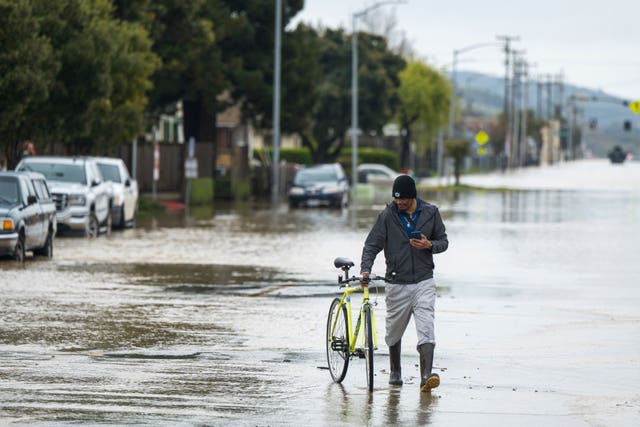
(82, 197)
(368, 172)
(125, 190)
(324, 184)
(28, 215)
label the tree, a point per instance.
(27, 72)
(497, 133)
(89, 71)
(424, 102)
(214, 54)
(457, 149)
(323, 127)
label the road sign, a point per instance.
(481, 151)
(156, 161)
(191, 168)
(635, 107)
(482, 137)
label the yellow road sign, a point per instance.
(482, 137)
(481, 151)
(635, 107)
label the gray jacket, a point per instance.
(405, 264)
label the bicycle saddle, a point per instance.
(341, 262)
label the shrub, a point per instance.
(292, 155)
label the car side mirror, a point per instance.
(95, 183)
(31, 200)
(127, 183)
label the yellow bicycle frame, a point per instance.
(345, 300)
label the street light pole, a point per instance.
(454, 71)
(275, 182)
(354, 94)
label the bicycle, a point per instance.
(342, 337)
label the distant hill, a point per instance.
(483, 94)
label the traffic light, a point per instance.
(627, 125)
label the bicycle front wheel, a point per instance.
(368, 346)
(337, 341)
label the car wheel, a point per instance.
(123, 222)
(293, 205)
(108, 223)
(18, 251)
(93, 226)
(132, 221)
(47, 249)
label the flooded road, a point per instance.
(219, 319)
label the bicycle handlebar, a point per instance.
(359, 278)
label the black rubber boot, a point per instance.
(394, 362)
(428, 380)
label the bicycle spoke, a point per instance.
(337, 341)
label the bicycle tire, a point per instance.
(337, 346)
(368, 346)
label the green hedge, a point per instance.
(201, 191)
(292, 155)
(303, 156)
(369, 155)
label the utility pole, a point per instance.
(516, 97)
(539, 98)
(507, 52)
(549, 117)
(525, 113)
(275, 184)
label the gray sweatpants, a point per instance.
(404, 300)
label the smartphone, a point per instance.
(416, 235)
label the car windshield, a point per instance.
(8, 191)
(110, 172)
(58, 171)
(308, 176)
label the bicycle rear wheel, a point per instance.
(368, 346)
(337, 341)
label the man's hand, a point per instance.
(364, 282)
(423, 243)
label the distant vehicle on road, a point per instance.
(617, 155)
(124, 188)
(27, 214)
(368, 172)
(83, 198)
(323, 184)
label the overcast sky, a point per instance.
(590, 43)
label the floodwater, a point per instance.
(219, 318)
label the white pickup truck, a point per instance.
(83, 198)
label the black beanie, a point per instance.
(404, 187)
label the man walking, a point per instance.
(410, 231)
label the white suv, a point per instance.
(125, 190)
(83, 198)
